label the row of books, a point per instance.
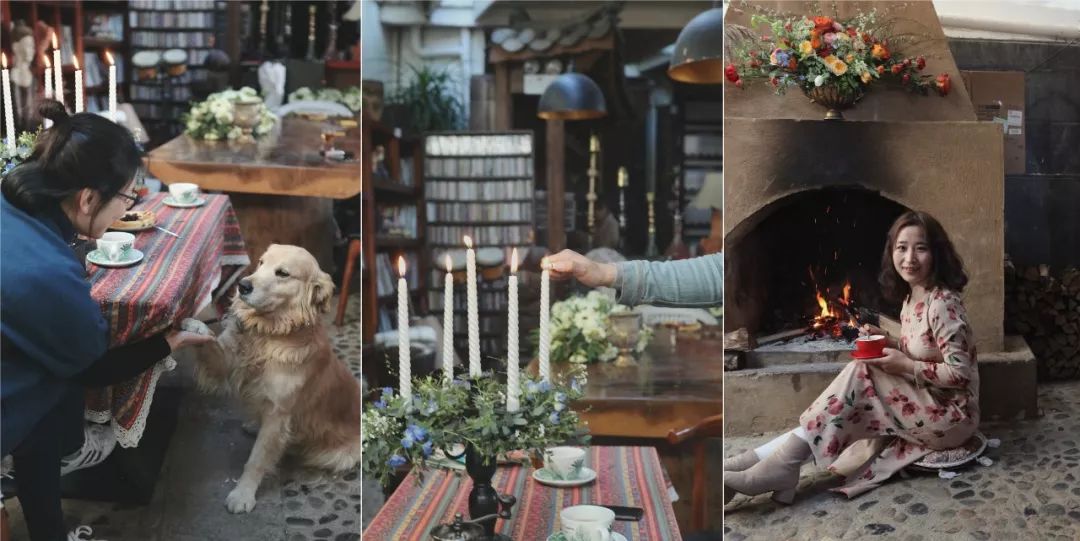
(488, 323)
(154, 92)
(396, 220)
(386, 273)
(171, 40)
(485, 300)
(520, 166)
(185, 19)
(172, 4)
(472, 144)
(479, 212)
(451, 235)
(106, 26)
(486, 190)
(438, 275)
(381, 172)
(96, 72)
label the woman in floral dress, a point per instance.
(880, 415)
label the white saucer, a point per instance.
(559, 536)
(169, 201)
(98, 258)
(541, 476)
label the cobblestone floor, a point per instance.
(1029, 493)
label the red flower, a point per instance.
(869, 392)
(731, 73)
(815, 424)
(881, 70)
(896, 69)
(896, 398)
(834, 447)
(738, 84)
(906, 78)
(866, 38)
(919, 308)
(774, 81)
(920, 63)
(874, 425)
(835, 405)
(852, 32)
(822, 24)
(930, 372)
(944, 84)
(936, 412)
(909, 409)
(907, 62)
(787, 26)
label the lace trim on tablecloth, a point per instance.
(130, 438)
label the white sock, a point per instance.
(770, 446)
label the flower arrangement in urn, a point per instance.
(832, 61)
(580, 330)
(215, 119)
(469, 412)
(351, 97)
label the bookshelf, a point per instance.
(479, 184)
(394, 225)
(194, 26)
(66, 18)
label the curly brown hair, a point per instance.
(947, 269)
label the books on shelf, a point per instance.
(494, 300)
(494, 166)
(469, 144)
(396, 220)
(170, 40)
(67, 51)
(486, 235)
(190, 5)
(386, 274)
(569, 211)
(482, 190)
(479, 212)
(165, 19)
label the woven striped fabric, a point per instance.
(627, 476)
(163, 289)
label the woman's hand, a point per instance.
(181, 339)
(868, 329)
(570, 264)
(894, 362)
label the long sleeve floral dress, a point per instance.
(868, 425)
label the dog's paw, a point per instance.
(195, 326)
(240, 500)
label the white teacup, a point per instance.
(184, 192)
(586, 523)
(116, 245)
(564, 463)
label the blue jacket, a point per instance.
(50, 327)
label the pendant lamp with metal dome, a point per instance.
(699, 51)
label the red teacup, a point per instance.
(869, 347)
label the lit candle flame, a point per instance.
(401, 265)
(513, 261)
(75, 61)
(48, 64)
(108, 57)
(54, 44)
(4, 57)
(468, 241)
(449, 267)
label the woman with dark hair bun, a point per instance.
(55, 342)
(881, 414)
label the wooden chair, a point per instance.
(350, 267)
(710, 427)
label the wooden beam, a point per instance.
(503, 98)
(556, 184)
(500, 55)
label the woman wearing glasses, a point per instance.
(78, 180)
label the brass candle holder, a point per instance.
(622, 205)
(594, 174)
(650, 250)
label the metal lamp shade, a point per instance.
(572, 96)
(699, 52)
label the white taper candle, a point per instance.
(545, 326)
(448, 322)
(58, 71)
(112, 86)
(9, 111)
(404, 365)
(78, 88)
(474, 322)
(48, 91)
(513, 383)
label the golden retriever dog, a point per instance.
(274, 353)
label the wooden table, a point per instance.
(280, 186)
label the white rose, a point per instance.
(211, 136)
(820, 79)
(224, 117)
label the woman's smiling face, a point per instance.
(912, 256)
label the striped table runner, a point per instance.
(161, 290)
(627, 476)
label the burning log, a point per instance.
(1046, 310)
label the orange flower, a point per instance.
(881, 70)
(815, 39)
(943, 84)
(822, 24)
(880, 52)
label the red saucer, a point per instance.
(855, 355)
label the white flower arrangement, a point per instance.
(351, 97)
(579, 330)
(214, 120)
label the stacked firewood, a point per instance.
(1045, 309)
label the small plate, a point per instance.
(559, 536)
(146, 220)
(169, 201)
(542, 476)
(100, 259)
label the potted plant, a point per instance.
(428, 102)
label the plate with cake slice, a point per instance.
(135, 220)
